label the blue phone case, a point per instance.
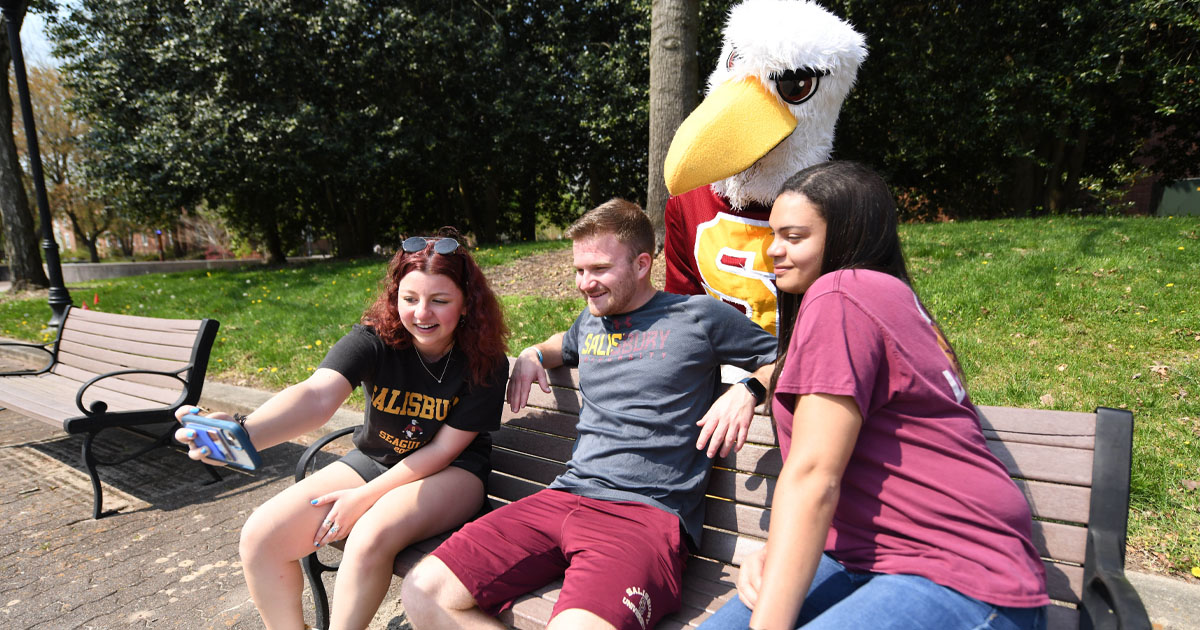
(226, 440)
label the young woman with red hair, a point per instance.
(430, 355)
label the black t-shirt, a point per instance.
(406, 405)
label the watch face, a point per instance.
(755, 387)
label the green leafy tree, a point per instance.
(1016, 107)
(362, 119)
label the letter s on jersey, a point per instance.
(731, 255)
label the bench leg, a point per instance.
(90, 462)
(212, 472)
(313, 568)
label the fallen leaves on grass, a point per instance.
(1160, 369)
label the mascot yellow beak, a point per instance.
(737, 124)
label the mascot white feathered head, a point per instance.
(772, 102)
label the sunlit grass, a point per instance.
(1077, 313)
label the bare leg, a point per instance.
(434, 599)
(403, 516)
(277, 535)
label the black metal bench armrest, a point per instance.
(308, 460)
(99, 407)
(1107, 589)
(43, 347)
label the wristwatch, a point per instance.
(756, 389)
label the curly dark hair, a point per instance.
(480, 335)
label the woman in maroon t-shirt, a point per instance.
(430, 356)
(890, 511)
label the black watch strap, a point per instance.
(756, 389)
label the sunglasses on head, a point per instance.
(441, 245)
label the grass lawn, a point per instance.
(1061, 313)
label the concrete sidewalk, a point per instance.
(169, 558)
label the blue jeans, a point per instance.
(839, 599)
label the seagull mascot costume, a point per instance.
(772, 104)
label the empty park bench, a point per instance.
(1073, 468)
(105, 371)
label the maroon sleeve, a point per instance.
(683, 277)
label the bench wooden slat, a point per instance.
(511, 488)
(1044, 422)
(748, 520)
(540, 444)
(53, 397)
(1056, 501)
(116, 360)
(165, 394)
(1044, 463)
(36, 401)
(542, 420)
(727, 547)
(182, 339)
(1060, 541)
(559, 399)
(1064, 582)
(535, 469)
(115, 399)
(753, 458)
(137, 322)
(128, 346)
(1062, 617)
(741, 487)
(92, 366)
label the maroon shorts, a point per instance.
(620, 560)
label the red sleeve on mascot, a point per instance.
(772, 104)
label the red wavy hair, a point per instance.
(480, 335)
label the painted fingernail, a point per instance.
(314, 501)
(204, 450)
(191, 433)
(194, 410)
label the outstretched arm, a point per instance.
(530, 367)
(294, 411)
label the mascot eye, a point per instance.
(797, 86)
(729, 61)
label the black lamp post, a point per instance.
(60, 299)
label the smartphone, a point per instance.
(227, 441)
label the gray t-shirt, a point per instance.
(646, 378)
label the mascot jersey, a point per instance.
(712, 249)
(406, 405)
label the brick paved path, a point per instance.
(167, 560)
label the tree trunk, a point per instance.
(674, 77)
(275, 253)
(20, 237)
(93, 251)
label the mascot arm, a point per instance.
(683, 278)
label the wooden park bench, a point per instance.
(113, 371)
(1073, 468)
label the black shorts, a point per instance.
(368, 468)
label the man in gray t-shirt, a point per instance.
(649, 370)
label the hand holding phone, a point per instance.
(227, 441)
